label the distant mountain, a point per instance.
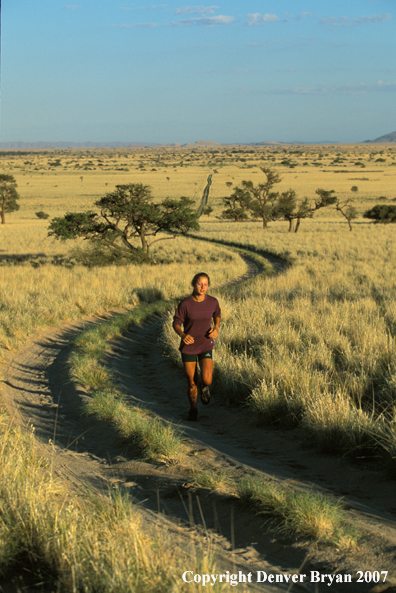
(386, 138)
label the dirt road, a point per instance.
(37, 389)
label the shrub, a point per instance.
(42, 215)
(149, 294)
(381, 213)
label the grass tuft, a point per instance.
(306, 514)
(153, 438)
(209, 479)
(95, 543)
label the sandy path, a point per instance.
(36, 388)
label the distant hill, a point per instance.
(18, 145)
(200, 143)
(386, 138)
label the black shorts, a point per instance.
(194, 357)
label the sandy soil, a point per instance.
(37, 389)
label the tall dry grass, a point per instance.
(96, 542)
(40, 285)
(315, 345)
(82, 176)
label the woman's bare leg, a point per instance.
(206, 366)
(192, 391)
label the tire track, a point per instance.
(37, 389)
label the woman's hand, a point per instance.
(213, 333)
(188, 339)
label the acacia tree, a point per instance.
(347, 210)
(8, 195)
(325, 198)
(263, 199)
(237, 205)
(125, 214)
(288, 207)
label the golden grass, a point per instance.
(308, 514)
(85, 175)
(91, 543)
(305, 513)
(315, 345)
(35, 291)
(323, 332)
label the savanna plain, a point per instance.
(306, 357)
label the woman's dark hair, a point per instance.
(197, 276)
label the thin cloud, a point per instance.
(205, 21)
(304, 42)
(234, 71)
(352, 89)
(345, 21)
(201, 10)
(284, 42)
(256, 18)
(138, 26)
(152, 7)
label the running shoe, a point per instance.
(192, 414)
(205, 395)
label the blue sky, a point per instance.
(230, 71)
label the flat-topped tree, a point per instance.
(125, 214)
(8, 195)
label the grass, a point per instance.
(307, 514)
(46, 294)
(97, 542)
(90, 543)
(152, 437)
(210, 479)
(315, 345)
(84, 175)
(148, 433)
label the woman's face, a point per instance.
(201, 286)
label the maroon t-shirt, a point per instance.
(196, 319)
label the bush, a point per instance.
(98, 255)
(381, 213)
(42, 215)
(149, 294)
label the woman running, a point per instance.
(195, 314)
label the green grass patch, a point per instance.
(304, 513)
(93, 543)
(209, 479)
(153, 438)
